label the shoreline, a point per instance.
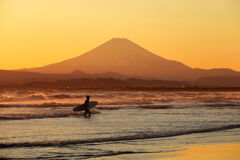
(222, 151)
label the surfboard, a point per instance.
(81, 107)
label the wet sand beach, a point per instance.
(207, 152)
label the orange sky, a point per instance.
(203, 34)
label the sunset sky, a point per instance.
(198, 33)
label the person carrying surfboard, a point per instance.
(86, 105)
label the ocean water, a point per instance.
(125, 125)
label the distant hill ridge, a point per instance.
(109, 80)
(104, 83)
(218, 81)
(9, 77)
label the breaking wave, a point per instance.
(42, 105)
(115, 139)
(60, 114)
(14, 98)
(158, 107)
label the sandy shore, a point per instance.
(208, 152)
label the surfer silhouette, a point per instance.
(87, 113)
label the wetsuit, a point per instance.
(87, 112)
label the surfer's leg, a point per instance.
(87, 112)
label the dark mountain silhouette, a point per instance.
(218, 81)
(109, 80)
(205, 83)
(125, 57)
(105, 83)
(19, 77)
